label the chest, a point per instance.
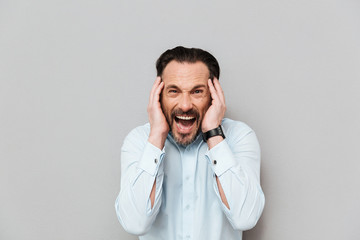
(187, 170)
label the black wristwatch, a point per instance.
(213, 132)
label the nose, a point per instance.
(185, 103)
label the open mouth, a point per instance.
(185, 123)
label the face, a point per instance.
(185, 99)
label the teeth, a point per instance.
(185, 117)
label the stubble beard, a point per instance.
(183, 139)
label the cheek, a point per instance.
(166, 105)
(203, 105)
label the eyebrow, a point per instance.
(196, 86)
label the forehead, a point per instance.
(185, 73)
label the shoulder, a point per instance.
(138, 136)
(236, 130)
(140, 131)
(230, 125)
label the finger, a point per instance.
(157, 92)
(219, 90)
(155, 85)
(212, 89)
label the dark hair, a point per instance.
(190, 55)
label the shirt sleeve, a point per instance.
(141, 164)
(236, 162)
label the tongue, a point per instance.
(186, 123)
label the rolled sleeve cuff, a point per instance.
(221, 158)
(151, 159)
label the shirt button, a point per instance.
(187, 207)
(214, 162)
(155, 160)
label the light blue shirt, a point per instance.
(187, 200)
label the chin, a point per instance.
(185, 139)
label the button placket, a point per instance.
(188, 191)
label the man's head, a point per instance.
(188, 55)
(186, 97)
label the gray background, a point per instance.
(75, 79)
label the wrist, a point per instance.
(205, 129)
(213, 136)
(157, 139)
(212, 142)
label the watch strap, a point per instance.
(213, 132)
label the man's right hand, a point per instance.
(159, 127)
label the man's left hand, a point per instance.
(216, 111)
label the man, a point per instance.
(189, 173)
